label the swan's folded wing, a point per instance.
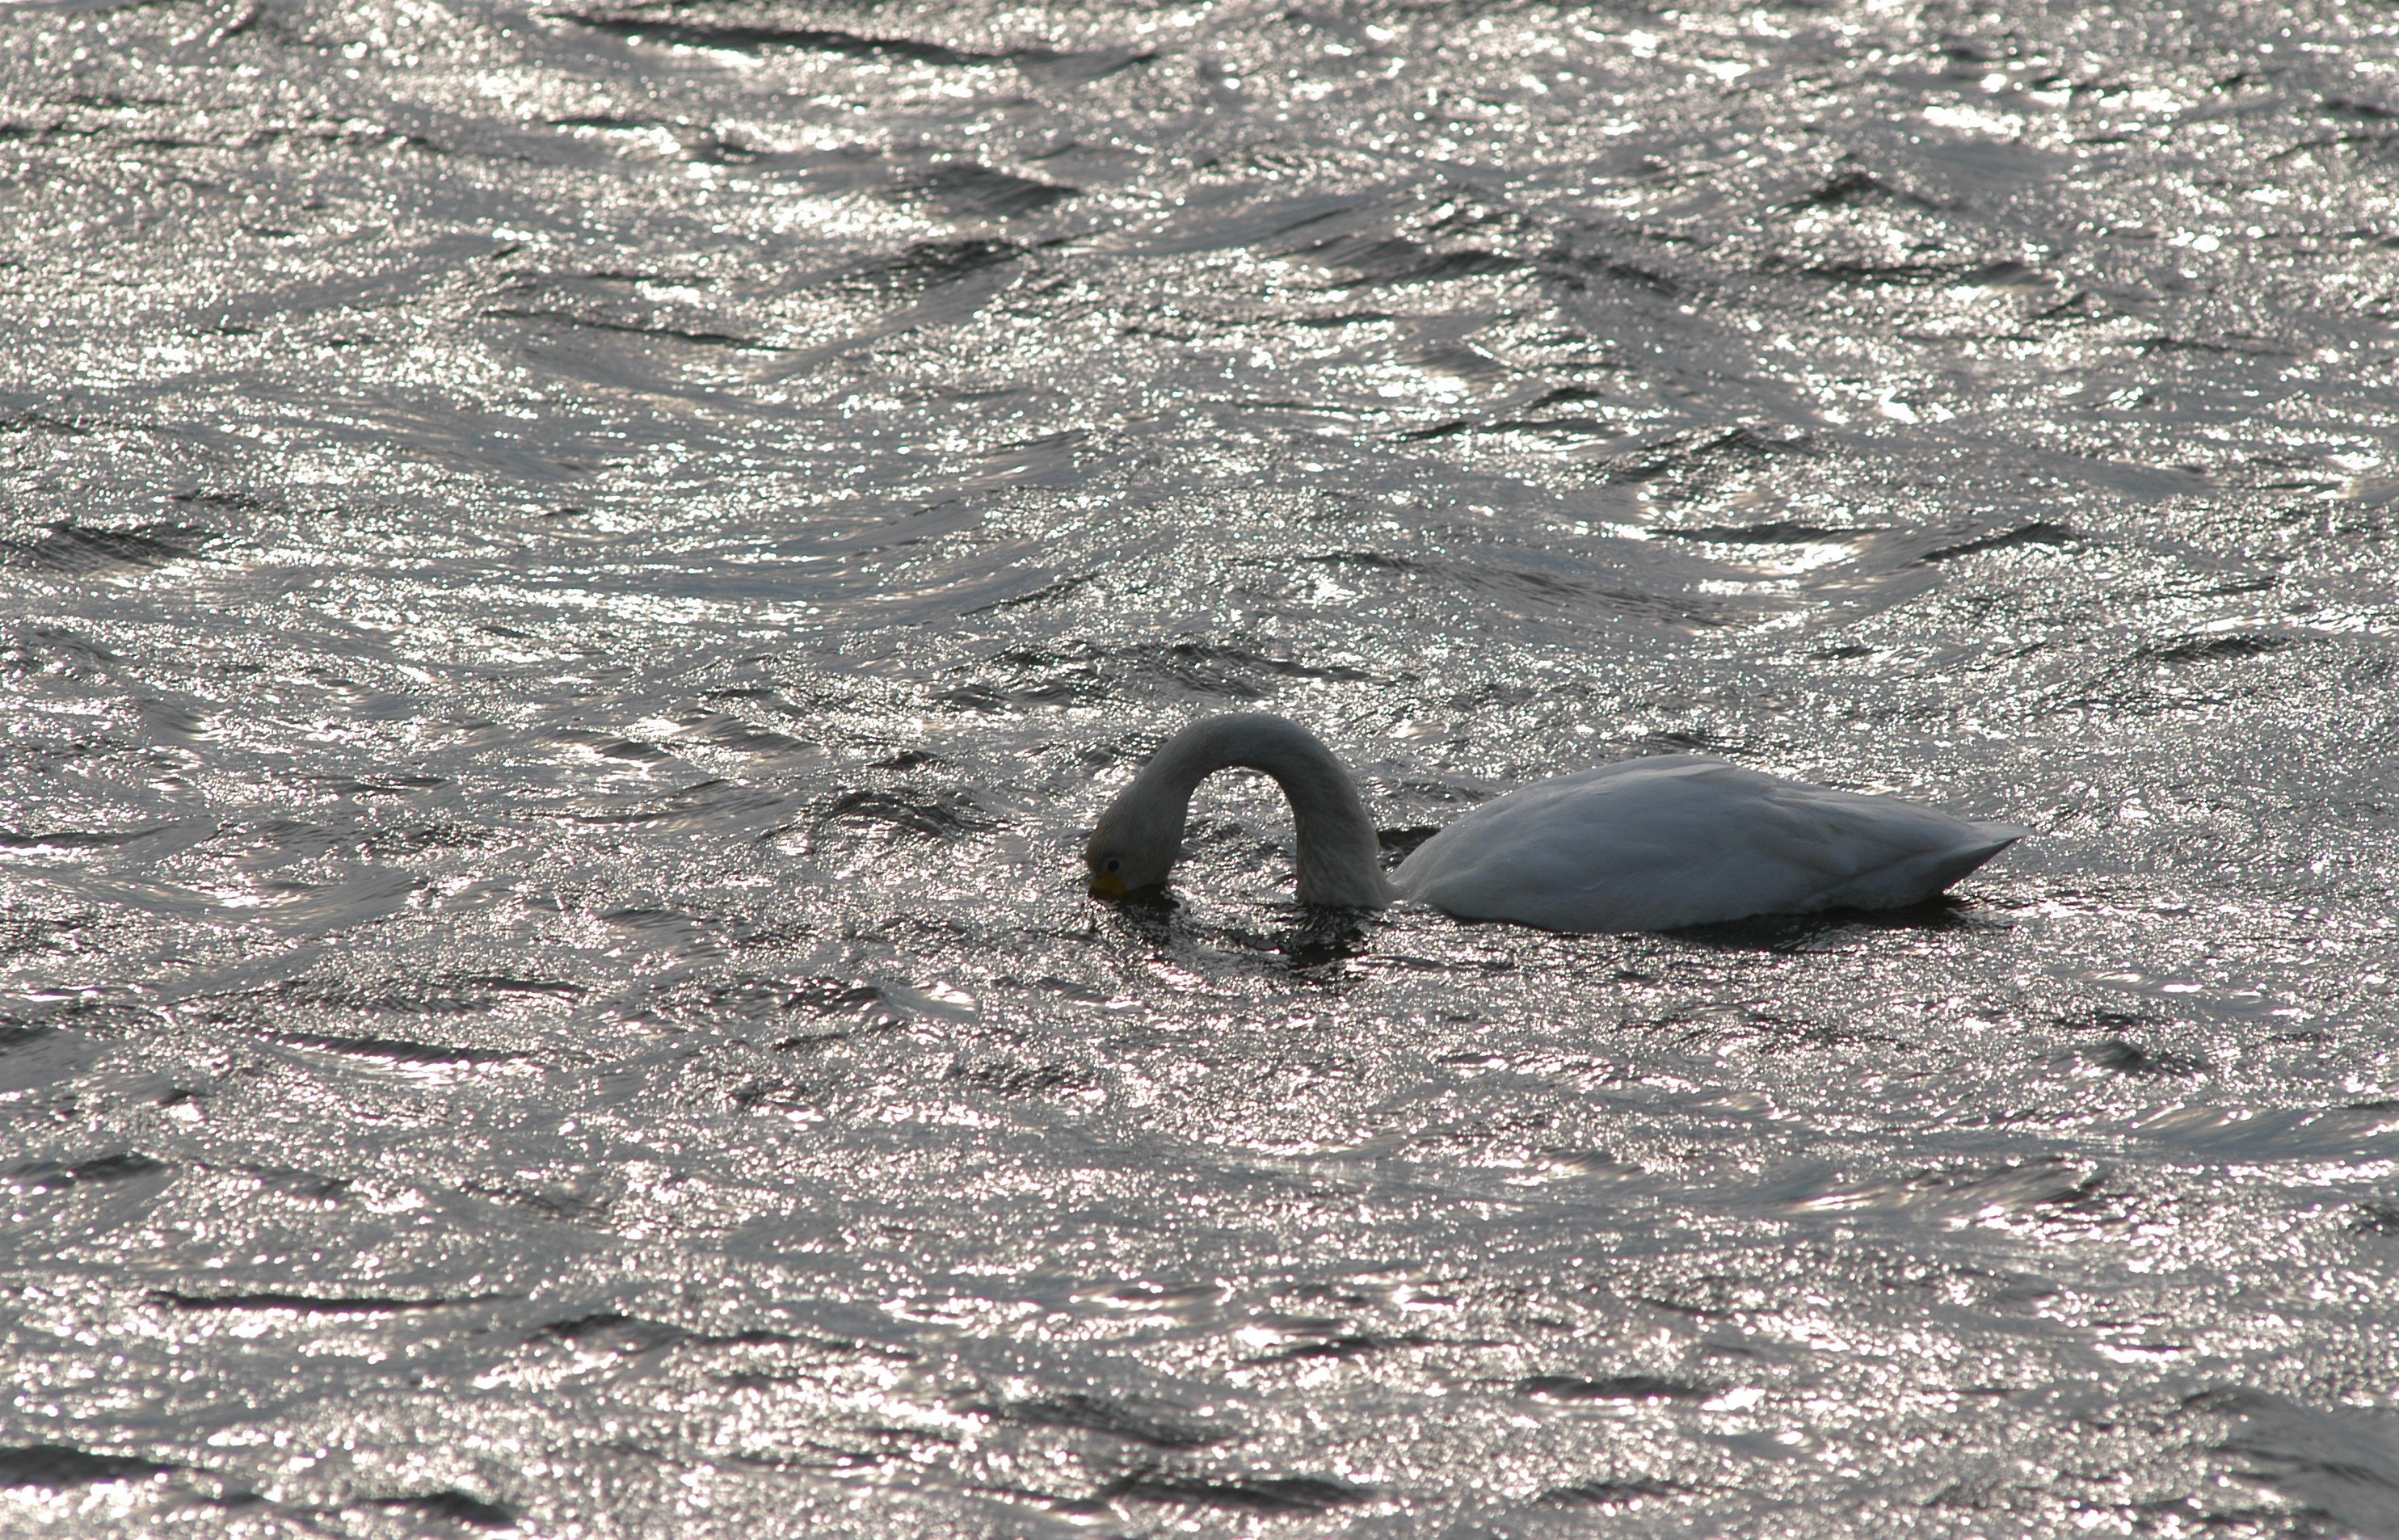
(1914, 878)
(1641, 846)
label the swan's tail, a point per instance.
(1919, 877)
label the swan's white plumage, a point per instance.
(1682, 840)
(1646, 844)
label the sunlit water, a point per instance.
(573, 576)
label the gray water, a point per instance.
(572, 577)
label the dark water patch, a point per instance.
(1857, 185)
(1345, 1344)
(704, 26)
(2257, 347)
(14, 1037)
(450, 1505)
(612, 1332)
(2113, 1022)
(2369, 147)
(49, 1176)
(1033, 598)
(1227, 221)
(450, 994)
(1616, 1387)
(638, 328)
(1371, 560)
(378, 288)
(2041, 532)
(1872, 275)
(67, 840)
(2005, 275)
(1574, 430)
(2348, 1472)
(636, 1336)
(579, 1202)
(1525, 592)
(84, 550)
(1078, 671)
(965, 190)
(312, 1186)
(753, 998)
(1779, 532)
(398, 1050)
(706, 147)
(715, 806)
(611, 747)
(869, 1449)
(1080, 68)
(1104, 1414)
(1262, 1494)
(721, 149)
(2055, 1188)
(1599, 1495)
(931, 285)
(385, 846)
(2121, 1056)
(1565, 396)
(942, 816)
(2375, 1219)
(176, 724)
(1576, 271)
(1011, 1077)
(317, 1305)
(1203, 669)
(1364, 262)
(2224, 644)
(57, 653)
(1682, 454)
(382, 786)
(21, 133)
(62, 1468)
(930, 264)
(610, 121)
(1047, 461)
(50, 422)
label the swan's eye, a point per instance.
(1112, 863)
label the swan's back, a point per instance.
(1681, 840)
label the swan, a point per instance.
(1644, 845)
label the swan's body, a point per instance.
(1682, 840)
(1646, 845)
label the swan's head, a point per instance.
(1131, 848)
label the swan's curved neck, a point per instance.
(1339, 857)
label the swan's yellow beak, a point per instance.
(1109, 885)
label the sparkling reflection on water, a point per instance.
(573, 576)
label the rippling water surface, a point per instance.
(571, 577)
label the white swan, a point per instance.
(1646, 844)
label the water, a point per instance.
(573, 576)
